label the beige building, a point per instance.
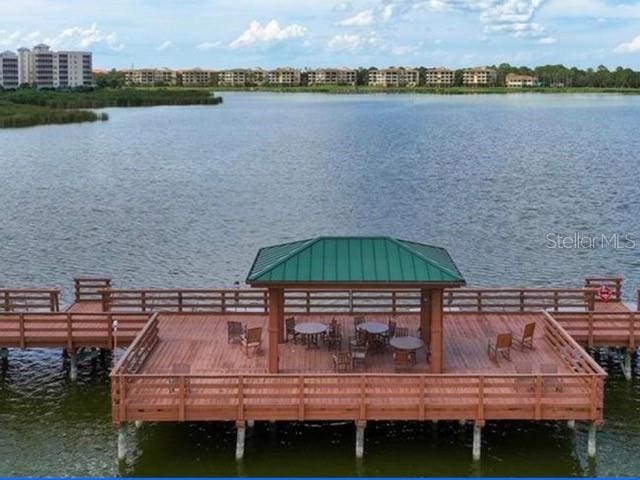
(9, 70)
(514, 80)
(150, 76)
(479, 76)
(393, 77)
(284, 76)
(46, 68)
(199, 77)
(237, 77)
(439, 77)
(331, 76)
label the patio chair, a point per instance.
(526, 340)
(525, 383)
(252, 339)
(392, 330)
(333, 339)
(357, 321)
(402, 360)
(359, 356)
(235, 330)
(290, 329)
(342, 362)
(501, 346)
(550, 384)
(401, 332)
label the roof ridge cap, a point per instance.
(305, 243)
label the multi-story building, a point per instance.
(45, 68)
(284, 76)
(439, 77)
(9, 70)
(479, 76)
(331, 76)
(236, 77)
(514, 80)
(393, 77)
(198, 76)
(150, 76)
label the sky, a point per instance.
(355, 33)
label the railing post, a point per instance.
(77, 289)
(479, 301)
(393, 302)
(69, 334)
(632, 331)
(7, 305)
(265, 302)
(308, 301)
(143, 300)
(522, 300)
(106, 299)
(556, 301)
(223, 304)
(538, 406)
(619, 289)
(110, 331)
(591, 302)
(180, 300)
(23, 340)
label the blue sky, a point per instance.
(268, 33)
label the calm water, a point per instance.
(184, 196)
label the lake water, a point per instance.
(184, 197)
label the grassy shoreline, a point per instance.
(25, 108)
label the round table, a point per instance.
(406, 343)
(311, 330)
(374, 328)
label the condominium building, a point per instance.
(236, 77)
(439, 77)
(9, 70)
(45, 68)
(150, 76)
(199, 77)
(519, 81)
(393, 77)
(479, 76)
(284, 76)
(331, 76)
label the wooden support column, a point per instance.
(276, 326)
(425, 316)
(436, 340)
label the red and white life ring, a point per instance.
(605, 293)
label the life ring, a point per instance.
(605, 293)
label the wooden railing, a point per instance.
(29, 300)
(88, 289)
(601, 328)
(613, 283)
(355, 397)
(140, 348)
(69, 330)
(346, 301)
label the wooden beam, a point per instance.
(276, 329)
(425, 315)
(436, 331)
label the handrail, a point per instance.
(151, 324)
(23, 299)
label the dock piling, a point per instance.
(242, 430)
(591, 442)
(626, 364)
(122, 444)
(477, 441)
(73, 366)
(138, 424)
(360, 426)
(4, 354)
(571, 424)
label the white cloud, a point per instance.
(267, 34)
(547, 40)
(343, 7)
(209, 45)
(165, 45)
(78, 37)
(592, 8)
(351, 42)
(360, 19)
(629, 47)
(402, 50)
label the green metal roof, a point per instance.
(353, 260)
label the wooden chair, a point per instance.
(235, 331)
(391, 332)
(501, 346)
(401, 332)
(550, 384)
(342, 362)
(252, 339)
(290, 329)
(525, 383)
(357, 321)
(402, 360)
(526, 340)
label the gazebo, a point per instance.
(357, 263)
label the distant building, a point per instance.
(331, 76)
(9, 70)
(479, 77)
(45, 68)
(513, 80)
(393, 77)
(237, 77)
(150, 76)
(199, 77)
(284, 76)
(439, 77)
